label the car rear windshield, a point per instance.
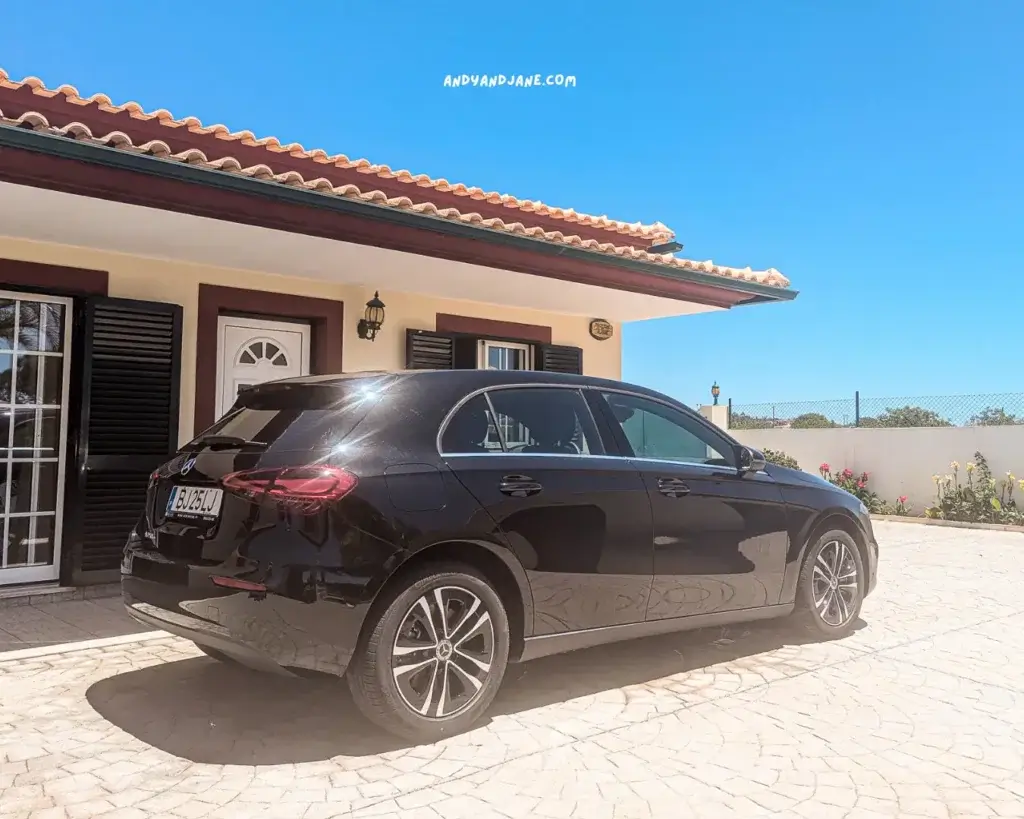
(294, 417)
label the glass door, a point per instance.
(34, 360)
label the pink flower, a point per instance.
(824, 468)
(847, 473)
(902, 498)
(860, 484)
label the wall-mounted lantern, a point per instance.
(372, 320)
(715, 392)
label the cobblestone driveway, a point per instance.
(920, 713)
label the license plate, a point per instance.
(194, 502)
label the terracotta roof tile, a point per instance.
(118, 140)
(655, 232)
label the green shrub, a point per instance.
(780, 459)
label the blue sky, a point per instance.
(871, 151)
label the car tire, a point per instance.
(411, 672)
(830, 589)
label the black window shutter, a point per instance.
(129, 423)
(554, 358)
(467, 349)
(425, 350)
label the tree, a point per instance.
(994, 417)
(741, 420)
(910, 417)
(811, 420)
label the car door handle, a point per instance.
(519, 486)
(673, 487)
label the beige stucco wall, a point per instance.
(901, 461)
(135, 277)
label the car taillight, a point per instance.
(305, 489)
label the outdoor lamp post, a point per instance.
(373, 318)
(715, 392)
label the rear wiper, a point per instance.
(228, 442)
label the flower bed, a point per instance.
(982, 498)
(857, 485)
(979, 497)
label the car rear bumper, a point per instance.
(203, 633)
(267, 631)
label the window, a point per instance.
(471, 430)
(299, 417)
(258, 351)
(530, 421)
(658, 431)
(504, 355)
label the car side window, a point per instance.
(534, 420)
(471, 430)
(545, 421)
(656, 430)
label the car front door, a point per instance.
(580, 523)
(720, 535)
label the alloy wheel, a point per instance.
(834, 583)
(443, 652)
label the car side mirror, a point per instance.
(750, 459)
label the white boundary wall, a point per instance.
(901, 461)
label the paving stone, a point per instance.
(919, 713)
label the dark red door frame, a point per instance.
(326, 318)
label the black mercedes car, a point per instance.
(417, 531)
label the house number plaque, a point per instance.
(601, 329)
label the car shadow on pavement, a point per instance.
(578, 674)
(215, 713)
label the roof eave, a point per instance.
(67, 148)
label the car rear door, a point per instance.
(720, 536)
(579, 522)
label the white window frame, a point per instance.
(485, 346)
(515, 436)
(51, 571)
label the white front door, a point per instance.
(251, 351)
(35, 354)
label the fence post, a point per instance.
(856, 408)
(728, 413)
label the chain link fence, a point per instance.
(1002, 409)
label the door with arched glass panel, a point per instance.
(35, 352)
(253, 351)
